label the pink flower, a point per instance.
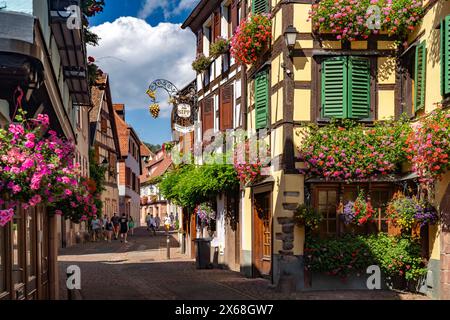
(27, 164)
(58, 212)
(68, 192)
(6, 216)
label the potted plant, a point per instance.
(201, 63)
(220, 46)
(306, 216)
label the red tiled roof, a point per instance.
(119, 107)
(145, 151)
(123, 132)
(159, 168)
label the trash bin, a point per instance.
(202, 253)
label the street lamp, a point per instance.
(290, 37)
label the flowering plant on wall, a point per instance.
(358, 211)
(426, 214)
(36, 166)
(250, 158)
(251, 38)
(218, 47)
(429, 146)
(307, 216)
(350, 151)
(356, 19)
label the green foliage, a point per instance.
(201, 63)
(153, 147)
(350, 254)
(90, 37)
(97, 178)
(191, 185)
(307, 216)
(220, 46)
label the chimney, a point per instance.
(120, 110)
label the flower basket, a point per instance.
(251, 39)
(250, 158)
(358, 212)
(219, 47)
(201, 63)
(352, 20)
(308, 217)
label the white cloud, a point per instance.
(170, 8)
(135, 53)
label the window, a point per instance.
(445, 55)
(104, 125)
(127, 176)
(260, 6)
(346, 87)
(30, 237)
(326, 202)
(18, 272)
(262, 99)
(226, 108)
(420, 74)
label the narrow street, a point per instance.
(139, 270)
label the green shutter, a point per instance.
(260, 6)
(262, 99)
(334, 88)
(419, 85)
(358, 88)
(445, 56)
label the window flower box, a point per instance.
(358, 19)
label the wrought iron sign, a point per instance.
(185, 104)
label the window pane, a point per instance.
(18, 263)
(332, 195)
(31, 252)
(322, 197)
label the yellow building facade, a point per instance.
(295, 83)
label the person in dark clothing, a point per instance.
(116, 223)
(123, 228)
(109, 227)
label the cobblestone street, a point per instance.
(139, 270)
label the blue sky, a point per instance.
(141, 41)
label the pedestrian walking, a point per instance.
(148, 220)
(152, 225)
(157, 222)
(123, 228)
(96, 226)
(109, 228)
(116, 223)
(104, 233)
(131, 226)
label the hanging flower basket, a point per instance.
(359, 211)
(308, 217)
(205, 214)
(252, 38)
(201, 63)
(358, 19)
(250, 158)
(219, 47)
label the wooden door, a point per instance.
(193, 233)
(262, 235)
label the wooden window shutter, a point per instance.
(334, 87)
(208, 115)
(419, 82)
(200, 41)
(445, 56)
(217, 30)
(127, 176)
(262, 99)
(104, 125)
(358, 88)
(234, 15)
(226, 108)
(260, 6)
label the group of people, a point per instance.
(117, 226)
(154, 223)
